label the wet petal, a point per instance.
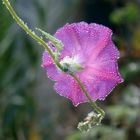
(46, 60)
(92, 44)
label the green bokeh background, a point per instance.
(30, 109)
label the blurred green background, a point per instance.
(29, 107)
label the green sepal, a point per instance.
(57, 43)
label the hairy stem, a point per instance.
(56, 61)
(30, 32)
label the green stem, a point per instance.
(93, 104)
(40, 41)
(31, 33)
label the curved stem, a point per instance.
(30, 32)
(93, 104)
(40, 41)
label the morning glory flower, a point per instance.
(88, 52)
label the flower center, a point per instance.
(71, 64)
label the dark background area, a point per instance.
(29, 107)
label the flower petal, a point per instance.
(46, 60)
(69, 88)
(92, 44)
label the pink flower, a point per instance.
(90, 46)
